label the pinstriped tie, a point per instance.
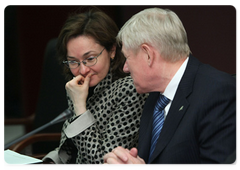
(158, 120)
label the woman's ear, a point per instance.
(149, 53)
(113, 52)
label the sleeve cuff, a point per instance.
(80, 124)
(53, 155)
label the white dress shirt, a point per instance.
(171, 88)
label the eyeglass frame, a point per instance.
(66, 62)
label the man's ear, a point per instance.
(149, 53)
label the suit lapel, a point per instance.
(178, 107)
(145, 131)
(175, 114)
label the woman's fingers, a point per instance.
(77, 90)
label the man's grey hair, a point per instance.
(159, 28)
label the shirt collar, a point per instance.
(173, 85)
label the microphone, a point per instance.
(60, 118)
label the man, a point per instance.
(199, 122)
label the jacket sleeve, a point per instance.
(217, 130)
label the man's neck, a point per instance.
(166, 71)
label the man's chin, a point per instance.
(138, 89)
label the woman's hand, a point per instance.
(77, 90)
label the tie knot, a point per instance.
(162, 102)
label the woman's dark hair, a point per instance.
(97, 25)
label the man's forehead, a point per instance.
(124, 51)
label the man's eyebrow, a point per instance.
(122, 52)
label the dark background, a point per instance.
(211, 34)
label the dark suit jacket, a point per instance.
(204, 131)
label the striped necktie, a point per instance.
(158, 120)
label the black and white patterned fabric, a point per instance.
(116, 110)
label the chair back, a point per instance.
(52, 96)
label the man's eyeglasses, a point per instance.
(90, 61)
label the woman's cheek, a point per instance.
(74, 72)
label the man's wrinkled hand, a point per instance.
(120, 155)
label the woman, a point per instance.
(106, 105)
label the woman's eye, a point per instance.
(72, 62)
(90, 58)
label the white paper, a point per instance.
(12, 157)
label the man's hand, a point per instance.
(120, 155)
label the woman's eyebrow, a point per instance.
(70, 57)
(84, 55)
(87, 53)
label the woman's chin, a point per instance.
(93, 83)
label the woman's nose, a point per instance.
(83, 70)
